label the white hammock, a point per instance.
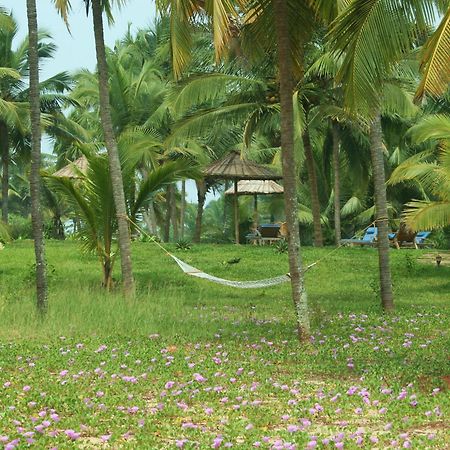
(189, 270)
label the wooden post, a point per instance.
(255, 212)
(236, 212)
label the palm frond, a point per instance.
(435, 62)
(436, 126)
(352, 206)
(200, 89)
(63, 7)
(169, 172)
(372, 35)
(427, 215)
(7, 72)
(204, 120)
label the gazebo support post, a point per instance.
(255, 212)
(236, 212)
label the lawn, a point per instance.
(192, 364)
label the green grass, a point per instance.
(131, 365)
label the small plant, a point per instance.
(410, 263)
(31, 275)
(281, 246)
(183, 245)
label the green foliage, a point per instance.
(20, 227)
(281, 246)
(183, 244)
(5, 235)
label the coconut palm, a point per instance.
(98, 8)
(35, 188)
(265, 19)
(90, 195)
(431, 174)
(14, 95)
(372, 37)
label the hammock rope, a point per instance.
(254, 284)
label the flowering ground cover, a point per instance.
(193, 365)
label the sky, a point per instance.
(76, 49)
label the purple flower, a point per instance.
(26, 388)
(199, 378)
(72, 434)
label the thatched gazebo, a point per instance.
(255, 188)
(73, 168)
(233, 167)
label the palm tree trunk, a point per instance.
(166, 231)
(289, 169)
(337, 185)
(312, 176)
(150, 219)
(201, 197)
(182, 208)
(4, 144)
(35, 180)
(376, 150)
(113, 153)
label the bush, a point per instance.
(20, 227)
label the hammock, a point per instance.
(190, 270)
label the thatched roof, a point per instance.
(259, 187)
(72, 169)
(233, 167)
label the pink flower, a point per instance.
(199, 378)
(72, 434)
(26, 388)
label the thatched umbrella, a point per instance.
(233, 167)
(73, 168)
(255, 188)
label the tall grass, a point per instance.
(171, 303)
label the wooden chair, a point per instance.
(405, 237)
(269, 233)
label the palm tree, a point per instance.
(356, 35)
(90, 195)
(98, 7)
(289, 167)
(431, 174)
(14, 94)
(35, 188)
